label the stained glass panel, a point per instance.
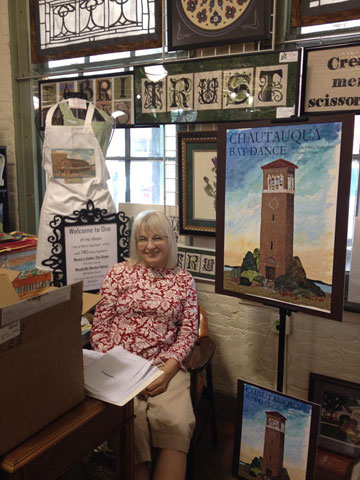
(71, 28)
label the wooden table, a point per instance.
(63, 443)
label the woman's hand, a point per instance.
(160, 384)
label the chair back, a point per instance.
(203, 323)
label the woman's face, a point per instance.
(152, 248)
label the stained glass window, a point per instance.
(71, 28)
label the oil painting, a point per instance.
(283, 198)
(275, 437)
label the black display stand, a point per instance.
(284, 312)
(4, 194)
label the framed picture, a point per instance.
(309, 12)
(275, 435)
(282, 203)
(198, 24)
(113, 94)
(71, 28)
(85, 245)
(200, 262)
(236, 88)
(340, 417)
(197, 160)
(337, 68)
(353, 470)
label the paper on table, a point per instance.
(90, 355)
(117, 376)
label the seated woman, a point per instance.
(150, 309)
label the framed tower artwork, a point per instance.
(275, 435)
(282, 203)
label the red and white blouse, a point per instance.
(149, 312)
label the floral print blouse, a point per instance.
(149, 312)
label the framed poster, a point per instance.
(339, 70)
(86, 244)
(112, 94)
(197, 160)
(275, 435)
(240, 87)
(68, 29)
(282, 204)
(318, 12)
(199, 24)
(340, 406)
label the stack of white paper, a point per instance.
(117, 376)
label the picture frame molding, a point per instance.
(58, 82)
(326, 89)
(340, 234)
(86, 217)
(299, 20)
(110, 45)
(317, 385)
(198, 40)
(186, 147)
(290, 59)
(313, 434)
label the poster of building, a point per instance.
(282, 207)
(275, 436)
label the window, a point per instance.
(354, 191)
(138, 160)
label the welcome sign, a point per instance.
(332, 79)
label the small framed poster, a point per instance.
(275, 435)
(339, 422)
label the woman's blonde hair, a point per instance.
(158, 224)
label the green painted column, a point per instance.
(26, 151)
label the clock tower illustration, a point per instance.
(273, 455)
(277, 218)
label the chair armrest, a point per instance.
(201, 355)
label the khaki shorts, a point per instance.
(166, 420)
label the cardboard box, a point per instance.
(41, 362)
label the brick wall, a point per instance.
(248, 350)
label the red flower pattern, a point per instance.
(149, 312)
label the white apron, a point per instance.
(76, 168)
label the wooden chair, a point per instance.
(199, 366)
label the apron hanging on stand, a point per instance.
(75, 164)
